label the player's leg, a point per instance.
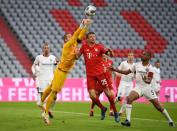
(157, 105)
(92, 109)
(134, 95)
(111, 112)
(52, 106)
(46, 93)
(39, 102)
(150, 94)
(98, 93)
(107, 85)
(95, 98)
(110, 95)
(120, 96)
(123, 106)
(120, 93)
(57, 84)
(91, 85)
(127, 91)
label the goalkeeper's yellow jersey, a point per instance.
(68, 57)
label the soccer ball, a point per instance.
(90, 10)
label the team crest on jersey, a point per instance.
(87, 50)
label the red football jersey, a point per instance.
(93, 58)
(107, 64)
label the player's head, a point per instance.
(46, 49)
(130, 56)
(146, 56)
(105, 57)
(67, 37)
(157, 64)
(91, 38)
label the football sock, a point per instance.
(128, 111)
(46, 93)
(123, 107)
(165, 113)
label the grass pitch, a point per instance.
(74, 117)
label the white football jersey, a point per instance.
(141, 71)
(46, 67)
(156, 76)
(126, 66)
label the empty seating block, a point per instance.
(121, 25)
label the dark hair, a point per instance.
(149, 54)
(89, 33)
(64, 37)
(157, 61)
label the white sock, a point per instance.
(128, 111)
(167, 116)
(123, 107)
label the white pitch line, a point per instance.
(84, 114)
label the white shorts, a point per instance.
(124, 88)
(147, 92)
(156, 87)
(41, 85)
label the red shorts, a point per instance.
(104, 81)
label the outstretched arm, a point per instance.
(79, 33)
(121, 71)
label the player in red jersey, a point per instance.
(93, 54)
(99, 90)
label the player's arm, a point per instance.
(126, 72)
(109, 52)
(82, 35)
(86, 23)
(148, 78)
(73, 38)
(79, 33)
(34, 66)
(56, 61)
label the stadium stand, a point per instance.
(119, 24)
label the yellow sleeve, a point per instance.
(73, 38)
(82, 33)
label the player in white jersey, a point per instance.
(144, 76)
(126, 82)
(43, 69)
(156, 79)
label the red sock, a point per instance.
(112, 104)
(98, 103)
